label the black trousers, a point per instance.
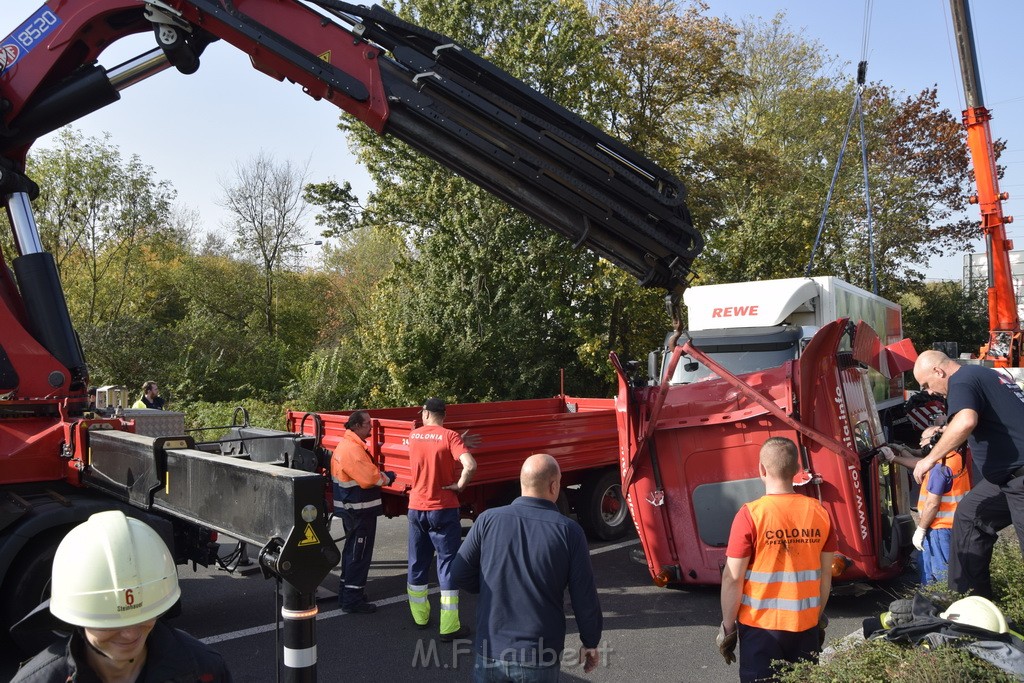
(759, 647)
(360, 535)
(985, 511)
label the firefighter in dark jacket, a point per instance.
(357, 481)
(112, 578)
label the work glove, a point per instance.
(918, 539)
(726, 643)
(391, 477)
(887, 452)
(822, 625)
(900, 612)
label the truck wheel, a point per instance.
(601, 508)
(28, 585)
(563, 503)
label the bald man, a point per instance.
(986, 409)
(520, 559)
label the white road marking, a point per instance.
(336, 612)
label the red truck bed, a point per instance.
(580, 433)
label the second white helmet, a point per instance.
(977, 611)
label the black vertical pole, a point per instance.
(299, 612)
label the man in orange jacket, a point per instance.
(777, 574)
(357, 481)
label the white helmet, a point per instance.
(977, 611)
(112, 571)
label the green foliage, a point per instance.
(945, 311)
(1008, 579)
(766, 166)
(881, 662)
(340, 208)
(327, 380)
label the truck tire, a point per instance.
(26, 587)
(601, 508)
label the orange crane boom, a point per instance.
(1003, 347)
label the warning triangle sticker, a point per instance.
(310, 538)
(325, 56)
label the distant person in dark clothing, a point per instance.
(520, 559)
(150, 397)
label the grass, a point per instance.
(879, 661)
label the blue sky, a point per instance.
(193, 129)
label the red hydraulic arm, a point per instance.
(398, 78)
(1004, 345)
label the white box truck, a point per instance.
(750, 326)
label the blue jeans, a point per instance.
(430, 531)
(487, 670)
(935, 556)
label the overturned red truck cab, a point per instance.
(689, 441)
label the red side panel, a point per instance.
(30, 450)
(579, 432)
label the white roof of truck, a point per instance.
(748, 304)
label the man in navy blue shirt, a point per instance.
(520, 559)
(986, 408)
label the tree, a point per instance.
(771, 157)
(670, 65)
(946, 312)
(102, 216)
(264, 197)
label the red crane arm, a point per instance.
(399, 79)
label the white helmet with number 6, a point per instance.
(977, 611)
(112, 571)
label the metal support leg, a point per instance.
(299, 612)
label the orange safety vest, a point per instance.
(947, 504)
(782, 586)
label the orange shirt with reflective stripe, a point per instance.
(947, 503)
(784, 536)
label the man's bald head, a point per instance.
(540, 477)
(929, 359)
(932, 370)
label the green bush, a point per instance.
(1008, 578)
(881, 661)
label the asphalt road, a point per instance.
(651, 634)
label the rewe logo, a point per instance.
(734, 311)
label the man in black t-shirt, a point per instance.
(986, 409)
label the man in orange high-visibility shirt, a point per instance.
(777, 574)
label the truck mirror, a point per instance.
(652, 367)
(691, 366)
